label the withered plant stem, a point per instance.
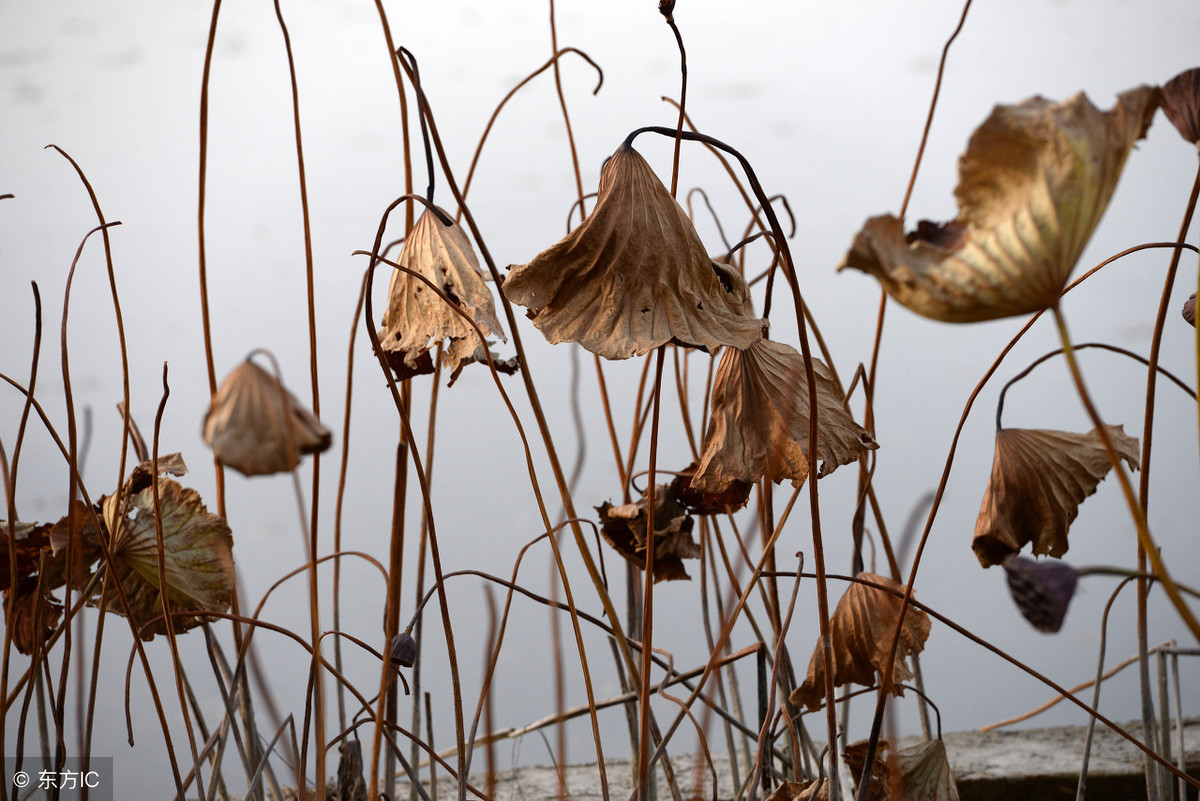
(762, 761)
(202, 257)
(1084, 346)
(164, 597)
(435, 553)
(77, 488)
(9, 474)
(872, 374)
(1151, 769)
(814, 412)
(1135, 509)
(682, 103)
(939, 493)
(648, 587)
(314, 517)
(1143, 587)
(551, 62)
(552, 455)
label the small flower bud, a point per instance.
(404, 650)
(1042, 590)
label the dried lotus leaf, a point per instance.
(197, 553)
(1038, 480)
(257, 427)
(861, 629)
(1033, 184)
(634, 275)
(624, 528)
(417, 318)
(760, 420)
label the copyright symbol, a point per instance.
(21, 779)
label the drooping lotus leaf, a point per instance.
(861, 629)
(1033, 184)
(197, 552)
(1038, 480)
(417, 319)
(1181, 104)
(760, 420)
(634, 275)
(257, 427)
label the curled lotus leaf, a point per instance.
(624, 527)
(257, 427)
(634, 275)
(861, 630)
(760, 420)
(1033, 184)
(418, 318)
(197, 552)
(1039, 478)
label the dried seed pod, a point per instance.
(404, 650)
(1041, 589)
(1189, 310)
(1038, 480)
(257, 427)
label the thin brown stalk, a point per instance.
(643, 774)
(551, 62)
(314, 586)
(881, 698)
(1143, 587)
(160, 542)
(761, 762)
(1135, 509)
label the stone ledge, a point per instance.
(1028, 764)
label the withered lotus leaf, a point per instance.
(1181, 104)
(624, 528)
(760, 420)
(861, 629)
(1033, 184)
(418, 319)
(30, 539)
(634, 275)
(197, 552)
(925, 773)
(920, 772)
(257, 427)
(727, 501)
(1039, 478)
(35, 614)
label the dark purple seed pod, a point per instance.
(404, 650)
(1042, 589)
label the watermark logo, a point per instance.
(73, 778)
